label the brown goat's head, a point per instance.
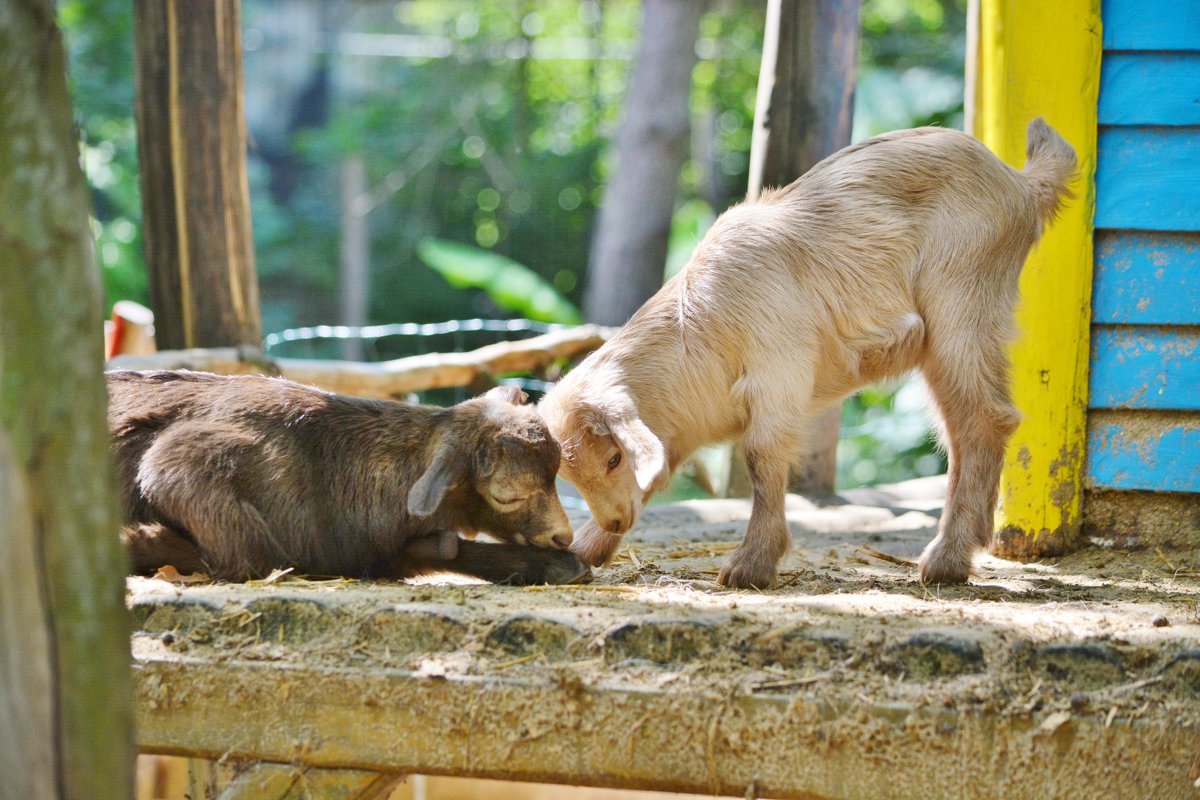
(493, 472)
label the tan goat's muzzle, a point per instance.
(594, 545)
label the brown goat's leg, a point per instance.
(517, 565)
(154, 545)
(186, 475)
(754, 564)
(972, 395)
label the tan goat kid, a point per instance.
(901, 252)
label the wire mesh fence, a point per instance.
(374, 343)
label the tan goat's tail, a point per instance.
(1049, 167)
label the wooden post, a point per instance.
(66, 714)
(1036, 59)
(195, 199)
(354, 253)
(804, 113)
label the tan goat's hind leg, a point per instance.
(972, 395)
(754, 564)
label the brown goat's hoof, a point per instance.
(571, 570)
(556, 567)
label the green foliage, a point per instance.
(885, 437)
(512, 286)
(99, 38)
(688, 226)
(911, 59)
(495, 134)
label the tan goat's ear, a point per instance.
(594, 419)
(643, 449)
(509, 394)
(446, 471)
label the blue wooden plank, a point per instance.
(1146, 278)
(1151, 24)
(1148, 179)
(1124, 457)
(1150, 89)
(1150, 368)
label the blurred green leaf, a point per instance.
(512, 286)
(688, 226)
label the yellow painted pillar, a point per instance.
(1036, 57)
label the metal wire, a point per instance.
(375, 332)
(372, 334)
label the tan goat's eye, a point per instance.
(506, 501)
(614, 461)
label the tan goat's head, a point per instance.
(611, 457)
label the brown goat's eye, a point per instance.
(614, 461)
(506, 501)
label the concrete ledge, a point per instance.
(1077, 677)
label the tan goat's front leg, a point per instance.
(754, 564)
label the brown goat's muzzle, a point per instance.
(554, 528)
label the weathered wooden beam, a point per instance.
(789, 745)
(195, 197)
(804, 113)
(389, 378)
(65, 705)
(236, 780)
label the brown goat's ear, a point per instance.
(446, 471)
(643, 449)
(511, 394)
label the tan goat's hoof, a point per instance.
(940, 564)
(747, 573)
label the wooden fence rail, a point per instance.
(387, 379)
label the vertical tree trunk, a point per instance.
(805, 111)
(629, 251)
(354, 253)
(66, 717)
(971, 68)
(195, 200)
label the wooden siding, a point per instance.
(1151, 25)
(1150, 89)
(1144, 382)
(1148, 178)
(1145, 367)
(1146, 278)
(1144, 450)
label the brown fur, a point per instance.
(897, 253)
(236, 476)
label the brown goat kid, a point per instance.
(901, 252)
(236, 476)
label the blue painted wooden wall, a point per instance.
(1145, 361)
